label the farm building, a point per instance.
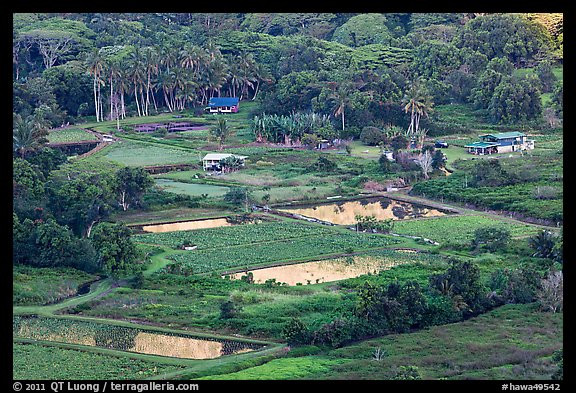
(500, 143)
(223, 105)
(211, 161)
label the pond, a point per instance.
(127, 338)
(328, 270)
(344, 213)
(187, 225)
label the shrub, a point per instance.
(490, 238)
(372, 136)
(295, 332)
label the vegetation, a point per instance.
(334, 107)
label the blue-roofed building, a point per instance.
(223, 105)
(503, 142)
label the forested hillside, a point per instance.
(360, 67)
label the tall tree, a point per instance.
(130, 184)
(95, 63)
(341, 98)
(220, 132)
(418, 103)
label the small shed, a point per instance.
(211, 161)
(223, 105)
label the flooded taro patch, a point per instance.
(130, 339)
(187, 225)
(344, 213)
(333, 269)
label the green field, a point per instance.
(70, 135)
(192, 189)
(38, 362)
(458, 229)
(132, 153)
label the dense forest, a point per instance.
(361, 69)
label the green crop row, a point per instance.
(39, 362)
(234, 235)
(70, 135)
(457, 228)
(301, 248)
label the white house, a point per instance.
(211, 161)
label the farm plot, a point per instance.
(336, 269)
(192, 189)
(280, 251)
(123, 338)
(243, 246)
(235, 235)
(40, 362)
(68, 135)
(132, 153)
(457, 229)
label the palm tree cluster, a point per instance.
(168, 76)
(290, 129)
(418, 103)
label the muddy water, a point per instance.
(187, 225)
(344, 213)
(127, 339)
(322, 271)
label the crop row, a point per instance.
(122, 338)
(457, 228)
(39, 362)
(70, 135)
(222, 258)
(234, 235)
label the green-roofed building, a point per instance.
(503, 142)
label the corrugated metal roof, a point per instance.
(483, 144)
(505, 135)
(221, 156)
(223, 101)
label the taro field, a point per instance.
(128, 338)
(39, 362)
(67, 135)
(458, 229)
(264, 244)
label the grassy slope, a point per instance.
(511, 342)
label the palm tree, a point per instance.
(419, 103)
(151, 61)
(260, 74)
(27, 134)
(217, 73)
(342, 99)
(234, 77)
(137, 72)
(95, 63)
(220, 131)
